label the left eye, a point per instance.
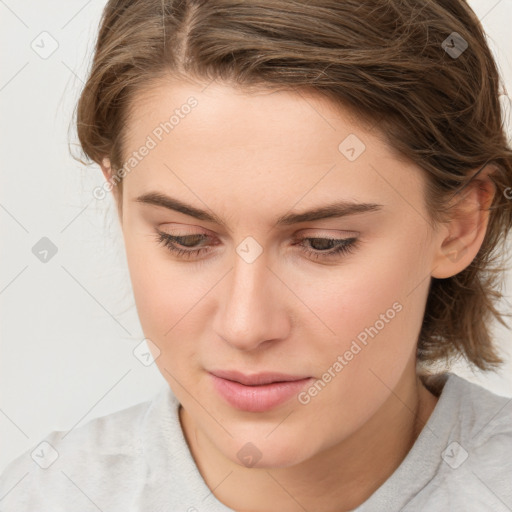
(314, 247)
(328, 247)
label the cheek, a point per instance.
(371, 313)
(170, 299)
(162, 290)
(367, 298)
(162, 299)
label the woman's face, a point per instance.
(268, 179)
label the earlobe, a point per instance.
(466, 229)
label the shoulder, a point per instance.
(104, 449)
(481, 415)
(475, 466)
(486, 430)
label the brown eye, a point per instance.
(188, 244)
(326, 248)
(188, 240)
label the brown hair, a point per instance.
(387, 61)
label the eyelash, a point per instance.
(346, 246)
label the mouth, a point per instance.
(258, 392)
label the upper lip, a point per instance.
(256, 379)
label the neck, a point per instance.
(338, 479)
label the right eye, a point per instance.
(188, 244)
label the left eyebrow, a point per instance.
(334, 210)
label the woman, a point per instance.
(313, 197)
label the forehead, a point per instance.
(283, 118)
(266, 146)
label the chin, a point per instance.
(274, 451)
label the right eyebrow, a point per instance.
(159, 199)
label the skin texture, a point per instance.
(250, 158)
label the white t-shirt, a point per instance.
(137, 459)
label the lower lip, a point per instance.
(257, 398)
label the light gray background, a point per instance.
(68, 327)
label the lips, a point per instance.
(257, 392)
(257, 379)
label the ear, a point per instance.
(463, 234)
(106, 168)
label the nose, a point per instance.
(251, 310)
